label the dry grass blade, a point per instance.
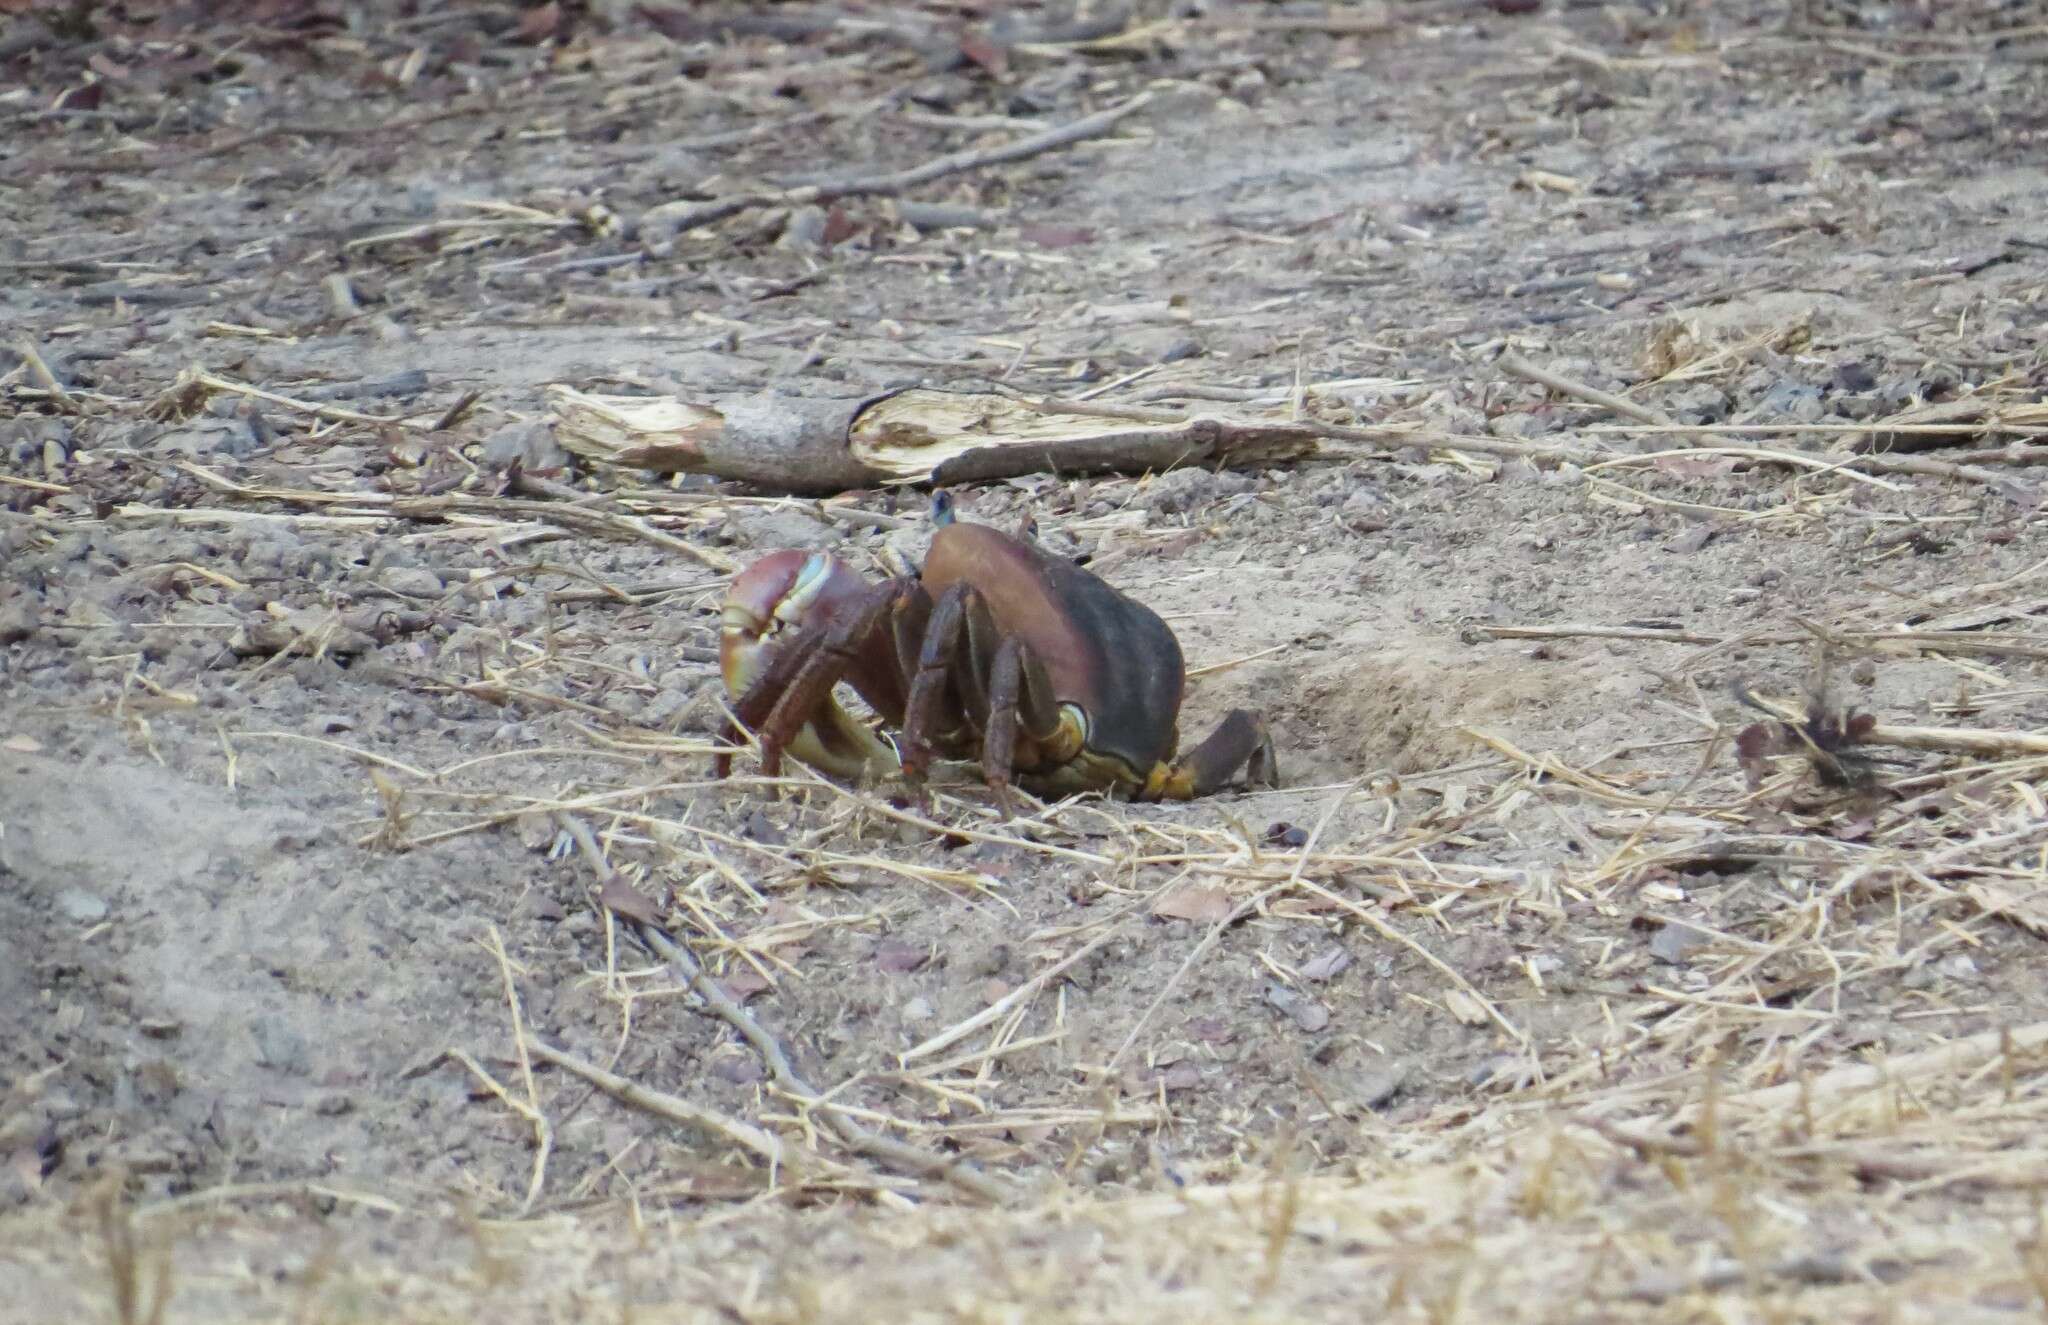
(758, 1142)
(1238, 912)
(860, 1139)
(1016, 998)
(141, 1277)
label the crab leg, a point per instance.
(1018, 691)
(923, 711)
(1239, 741)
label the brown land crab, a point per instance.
(998, 649)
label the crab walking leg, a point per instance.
(974, 662)
(925, 708)
(1239, 741)
(1019, 693)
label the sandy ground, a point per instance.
(1521, 999)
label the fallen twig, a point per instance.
(756, 1141)
(1511, 362)
(38, 369)
(795, 444)
(1017, 997)
(775, 1058)
(563, 513)
(660, 224)
(1981, 643)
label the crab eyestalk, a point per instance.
(767, 604)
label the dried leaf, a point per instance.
(896, 957)
(540, 23)
(838, 228)
(978, 48)
(745, 982)
(1207, 905)
(22, 745)
(622, 898)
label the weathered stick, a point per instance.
(1523, 368)
(659, 225)
(921, 435)
(757, 1141)
(1945, 423)
(862, 1140)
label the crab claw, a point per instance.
(766, 606)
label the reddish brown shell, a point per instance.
(1109, 655)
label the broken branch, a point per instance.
(660, 224)
(920, 435)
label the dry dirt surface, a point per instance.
(1650, 924)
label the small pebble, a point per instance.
(76, 904)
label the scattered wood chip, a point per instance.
(1465, 1007)
(1544, 181)
(2024, 905)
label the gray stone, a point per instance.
(1674, 941)
(805, 229)
(531, 445)
(278, 1046)
(1183, 490)
(82, 907)
(206, 437)
(1699, 402)
(20, 617)
(1791, 402)
(412, 582)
